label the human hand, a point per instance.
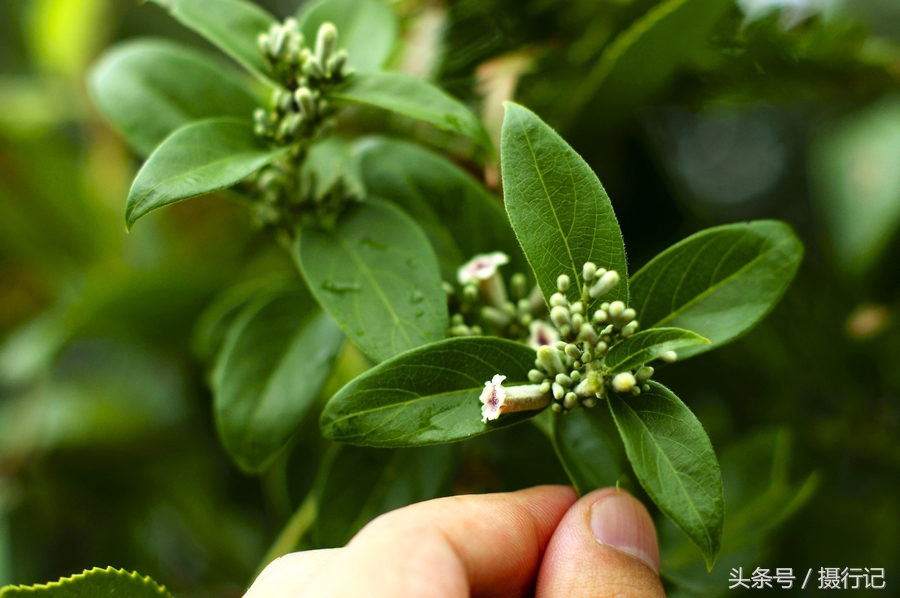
(540, 541)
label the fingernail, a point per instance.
(619, 520)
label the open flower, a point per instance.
(482, 270)
(481, 267)
(542, 334)
(496, 399)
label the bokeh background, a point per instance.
(789, 110)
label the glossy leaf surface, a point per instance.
(760, 495)
(377, 276)
(361, 483)
(415, 98)
(274, 361)
(557, 206)
(198, 158)
(96, 582)
(585, 451)
(428, 395)
(675, 463)
(647, 345)
(719, 282)
(459, 216)
(149, 88)
(231, 25)
(367, 29)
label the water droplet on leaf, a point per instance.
(339, 287)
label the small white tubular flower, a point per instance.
(482, 270)
(542, 334)
(481, 267)
(496, 399)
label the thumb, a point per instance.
(604, 547)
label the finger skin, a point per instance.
(288, 575)
(487, 545)
(577, 565)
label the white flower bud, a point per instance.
(625, 317)
(630, 329)
(561, 345)
(570, 400)
(636, 391)
(536, 376)
(589, 402)
(604, 284)
(615, 309)
(601, 348)
(556, 407)
(326, 40)
(573, 351)
(292, 25)
(457, 320)
(550, 360)
(643, 374)
(577, 307)
(336, 63)
(560, 316)
(589, 271)
(669, 356)
(306, 101)
(563, 282)
(575, 376)
(460, 330)
(563, 380)
(558, 391)
(558, 300)
(314, 68)
(577, 321)
(545, 386)
(262, 42)
(495, 316)
(477, 331)
(646, 388)
(623, 382)
(518, 287)
(600, 316)
(277, 42)
(588, 334)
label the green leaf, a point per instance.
(647, 345)
(759, 497)
(854, 169)
(378, 278)
(639, 63)
(675, 463)
(231, 25)
(585, 451)
(361, 483)
(428, 395)
(198, 158)
(557, 206)
(149, 88)
(331, 166)
(216, 320)
(414, 98)
(719, 282)
(96, 583)
(459, 216)
(275, 360)
(367, 29)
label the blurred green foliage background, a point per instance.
(789, 110)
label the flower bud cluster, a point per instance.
(573, 367)
(299, 108)
(485, 303)
(299, 111)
